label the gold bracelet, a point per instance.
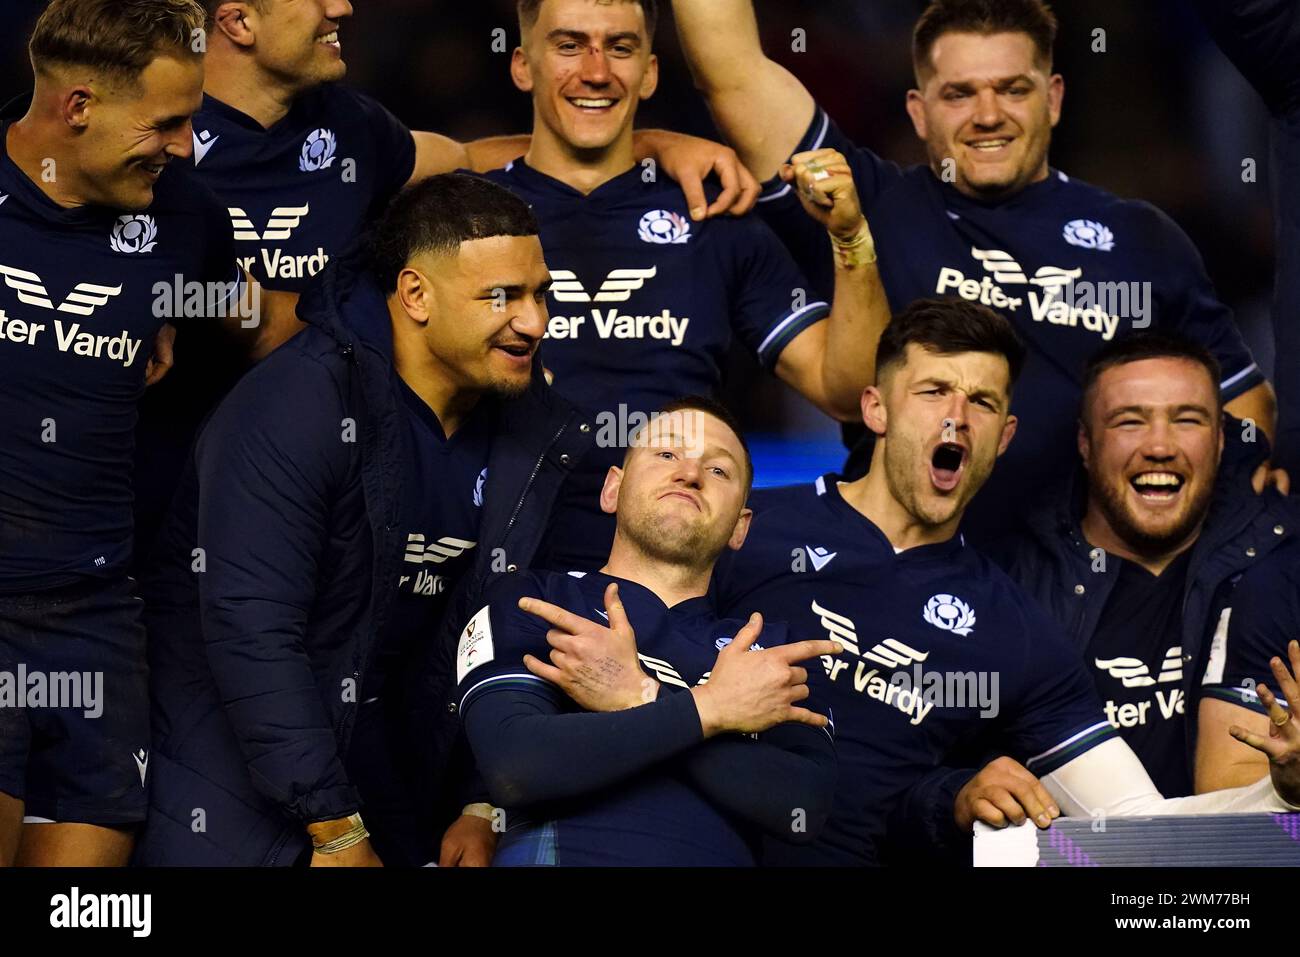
(354, 835)
(858, 251)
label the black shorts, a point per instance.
(74, 703)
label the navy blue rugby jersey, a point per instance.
(656, 816)
(440, 506)
(644, 305)
(1070, 265)
(943, 654)
(300, 192)
(78, 316)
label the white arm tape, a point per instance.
(1109, 779)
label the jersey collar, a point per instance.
(828, 491)
(690, 608)
(616, 188)
(1032, 194)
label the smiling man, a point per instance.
(99, 209)
(646, 302)
(352, 494)
(987, 220)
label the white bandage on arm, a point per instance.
(1109, 779)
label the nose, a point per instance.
(338, 10)
(530, 318)
(988, 109)
(956, 413)
(181, 145)
(688, 471)
(1160, 444)
(595, 67)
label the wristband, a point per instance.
(485, 811)
(858, 251)
(354, 835)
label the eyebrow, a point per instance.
(972, 394)
(512, 288)
(712, 452)
(997, 84)
(626, 36)
(1148, 409)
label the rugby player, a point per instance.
(354, 491)
(942, 652)
(646, 302)
(618, 767)
(988, 219)
(97, 211)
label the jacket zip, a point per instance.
(537, 467)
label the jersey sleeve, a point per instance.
(1255, 629)
(802, 235)
(394, 148)
(871, 174)
(1055, 712)
(772, 300)
(1193, 308)
(491, 647)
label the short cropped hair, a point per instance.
(948, 327)
(115, 37)
(1148, 345)
(702, 403)
(529, 10)
(436, 215)
(985, 17)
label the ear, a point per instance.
(237, 22)
(609, 491)
(739, 533)
(874, 415)
(916, 110)
(414, 293)
(519, 71)
(1008, 433)
(650, 81)
(1055, 97)
(76, 106)
(1084, 443)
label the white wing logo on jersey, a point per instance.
(1135, 674)
(1089, 234)
(284, 220)
(664, 228)
(950, 613)
(617, 287)
(437, 552)
(317, 151)
(663, 671)
(134, 234)
(1006, 270)
(891, 652)
(1003, 267)
(84, 299)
